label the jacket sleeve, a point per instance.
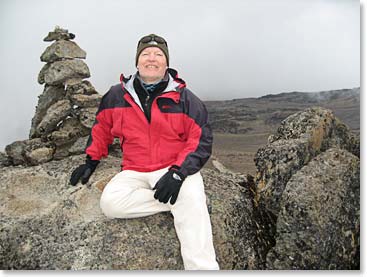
(199, 135)
(100, 137)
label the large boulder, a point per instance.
(62, 49)
(311, 159)
(300, 138)
(318, 223)
(48, 224)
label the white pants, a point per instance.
(129, 194)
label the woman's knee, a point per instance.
(107, 205)
(115, 203)
(193, 189)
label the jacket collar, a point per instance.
(175, 84)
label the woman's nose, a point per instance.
(151, 57)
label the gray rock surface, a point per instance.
(294, 232)
(47, 224)
(69, 131)
(40, 155)
(4, 160)
(318, 224)
(54, 115)
(62, 49)
(15, 152)
(80, 87)
(50, 96)
(78, 146)
(87, 116)
(58, 72)
(41, 74)
(29, 152)
(300, 138)
(86, 101)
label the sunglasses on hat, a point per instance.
(151, 39)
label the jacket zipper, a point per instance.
(149, 122)
(147, 101)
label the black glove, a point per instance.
(83, 171)
(168, 186)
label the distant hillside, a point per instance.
(263, 114)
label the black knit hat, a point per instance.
(152, 40)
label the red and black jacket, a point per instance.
(178, 133)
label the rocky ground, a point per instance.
(48, 224)
(300, 210)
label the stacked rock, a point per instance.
(66, 108)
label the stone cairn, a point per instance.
(66, 109)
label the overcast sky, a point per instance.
(223, 49)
